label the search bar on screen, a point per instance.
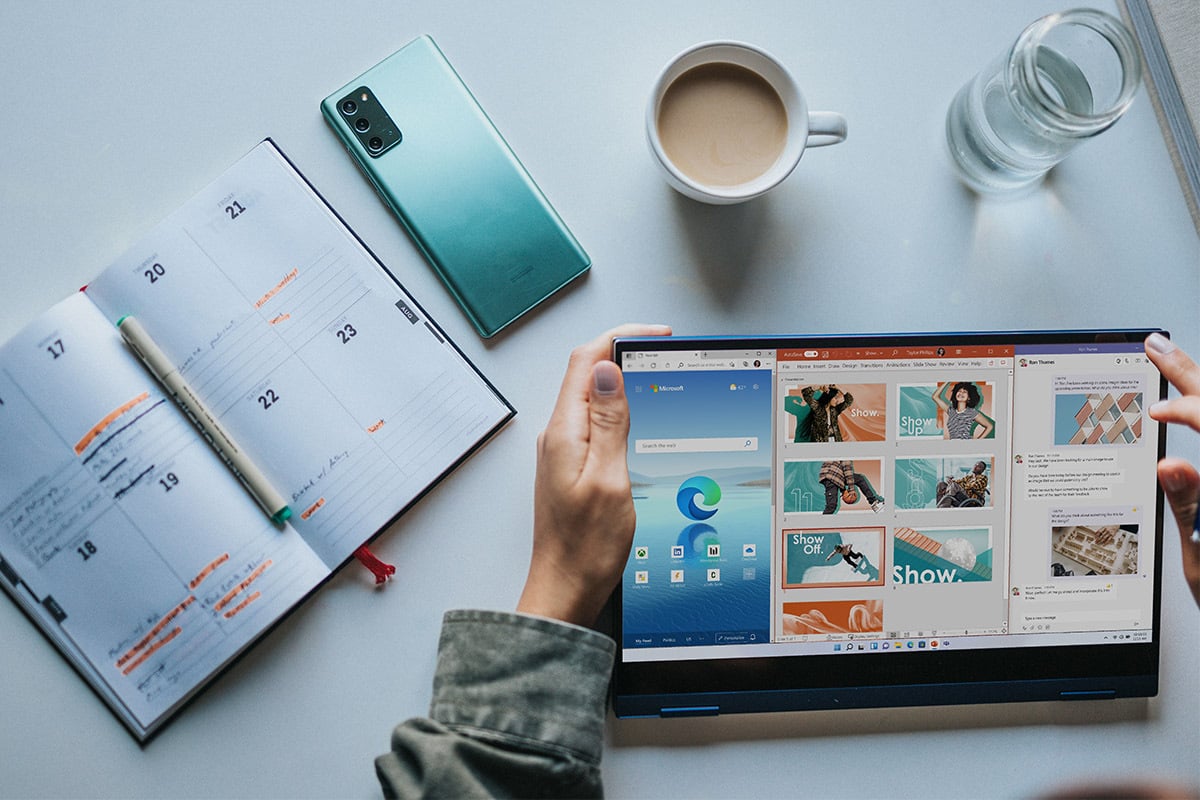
(728, 444)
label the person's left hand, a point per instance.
(583, 517)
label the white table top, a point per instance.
(117, 112)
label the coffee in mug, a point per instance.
(726, 122)
(722, 124)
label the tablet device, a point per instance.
(889, 520)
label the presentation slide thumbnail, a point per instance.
(844, 412)
(949, 482)
(941, 555)
(947, 410)
(832, 617)
(833, 557)
(833, 486)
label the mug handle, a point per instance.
(825, 127)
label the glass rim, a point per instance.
(1106, 26)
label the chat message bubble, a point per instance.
(1101, 410)
(1062, 593)
(1076, 476)
(1095, 517)
(1096, 383)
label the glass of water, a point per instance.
(1068, 77)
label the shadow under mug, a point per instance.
(804, 128)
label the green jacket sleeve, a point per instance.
(518, 711)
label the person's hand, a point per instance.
(1179, 479)
(583, 516)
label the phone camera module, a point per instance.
(368, 121)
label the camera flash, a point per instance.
(365, 97)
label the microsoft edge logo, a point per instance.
(700, 486)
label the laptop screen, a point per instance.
(877, 498)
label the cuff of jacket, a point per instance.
(513, 675)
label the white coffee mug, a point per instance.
(744, 163)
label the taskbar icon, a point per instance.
(890, 645)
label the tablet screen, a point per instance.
(889, 520)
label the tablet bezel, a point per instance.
(818, 681)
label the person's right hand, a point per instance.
(1179, 479)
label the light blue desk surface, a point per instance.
(116, 112)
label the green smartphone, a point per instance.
(468, 203)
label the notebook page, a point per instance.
(121, 532)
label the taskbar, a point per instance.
(868, 644)
(697, 639)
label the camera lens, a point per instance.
(362, 124)
(349, 107)
(374, 144)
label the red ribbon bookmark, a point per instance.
(379, 569)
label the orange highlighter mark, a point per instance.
(242, 605)
(99, 427)
(308, 512)
(204, 573)
(291, 276)
(157, 629)
(142, 658)
(281, 318)
(241, 587)
(375, 427)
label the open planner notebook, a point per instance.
(123, 535)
